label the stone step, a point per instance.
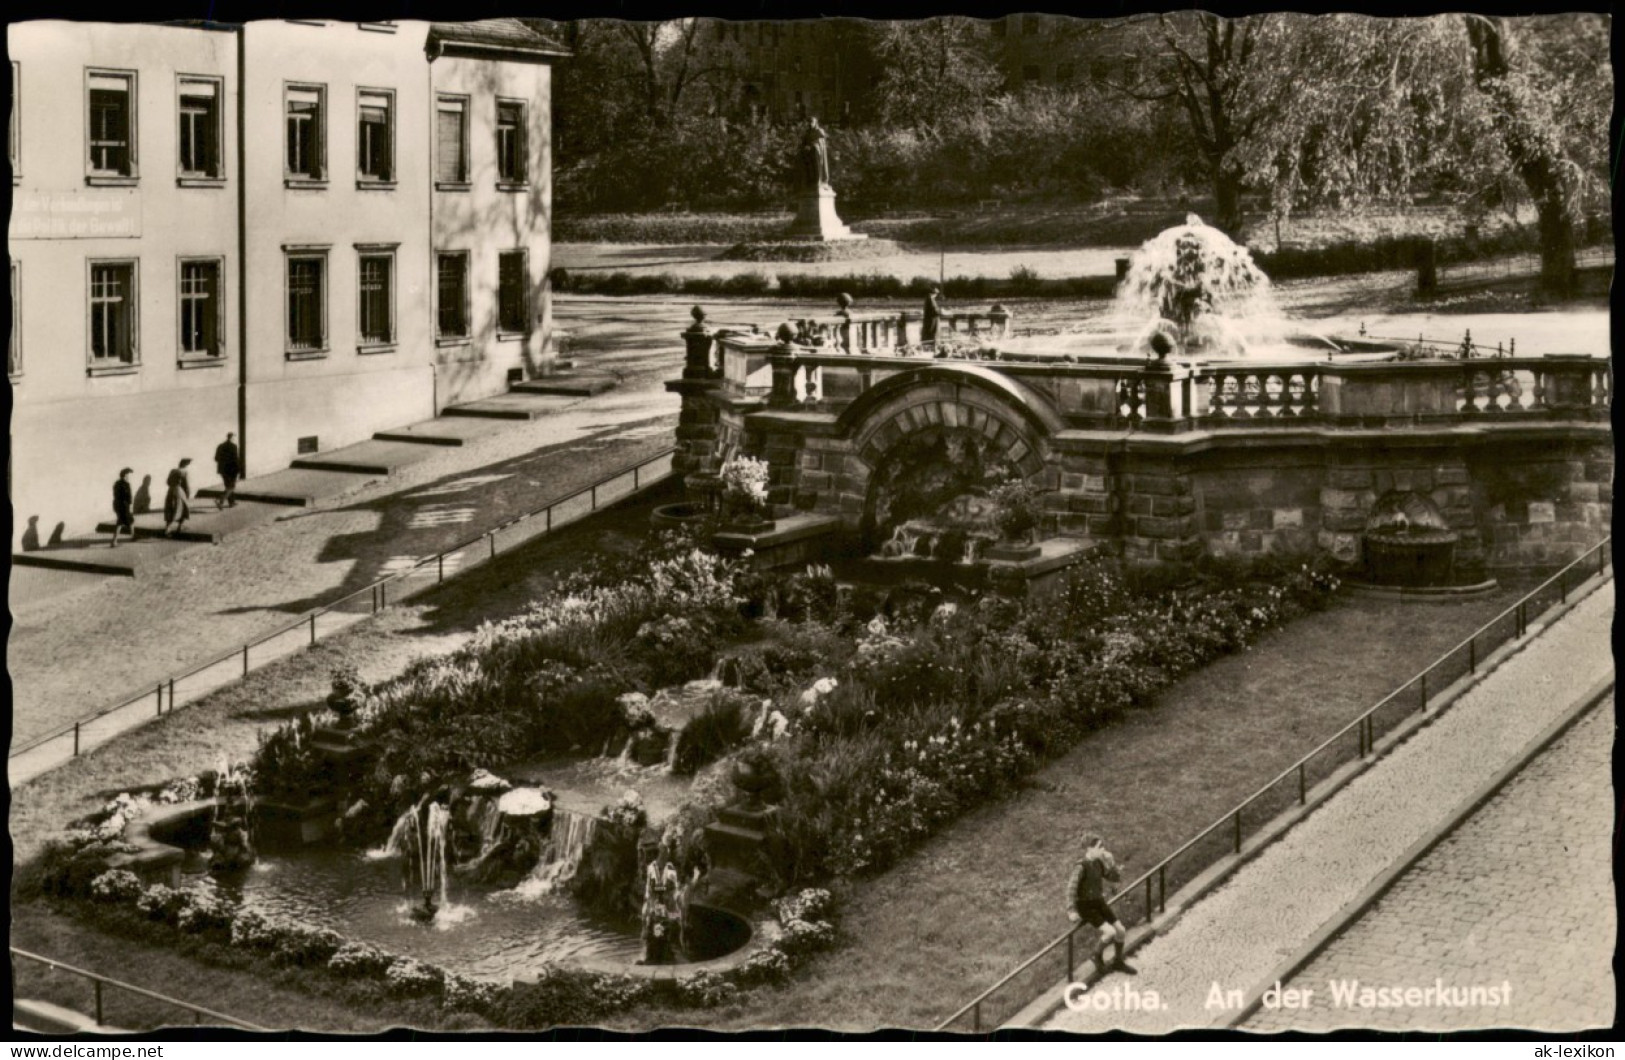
(515, 405)
(372, 457)
(570, 384)
(297, 487)
(93, 555)
(208, 525)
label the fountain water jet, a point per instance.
(1201, 292)
(419, 840)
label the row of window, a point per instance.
(111, 142)
(114, 321)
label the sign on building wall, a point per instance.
(75, 215)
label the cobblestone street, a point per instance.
(1521, 892)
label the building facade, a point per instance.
(242, 228)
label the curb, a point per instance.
(1053, 999)
(1420, 849)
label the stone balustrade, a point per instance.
(1167, 459)
(1115, 393)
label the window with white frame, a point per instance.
(451, 294)
(14, 358)
(110, 102)
(510, 142)
(451, 140)
(375, 135)
(307, 301)
(306, 122)
(113, 331)
(200, 116)
(513, 293)
(375, 313)
(201, 309)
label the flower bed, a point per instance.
(878, 723)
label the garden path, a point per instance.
(1235, 937)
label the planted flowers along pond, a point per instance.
(862, 721)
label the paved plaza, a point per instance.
(1230, 942)
(1520, 893)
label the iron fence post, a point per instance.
(976, 1018)
(383, 595)
(441, 561)
(1069, 961)
(160, 697)
(492, 537)
(592, 504)
(1148, 899)
(98, 983)
(1162, 888)
(635, 471)
(549, 526)
(1563, 585)
(76, 739)
(1238, 830)
(1424, 691)
(245, 660)
(1302, 790)
(172, 694)
(1472, 655)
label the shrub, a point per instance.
(358, 960)
(721, 726)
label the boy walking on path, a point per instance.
(228, 462)
(1087, 893)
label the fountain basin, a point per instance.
(480, 932)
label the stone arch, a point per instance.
(990, 421)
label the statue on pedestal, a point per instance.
(815, 156)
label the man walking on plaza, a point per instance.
(228, 463)
(1087, 893)
(123, 507)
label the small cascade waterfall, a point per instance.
(671, 751)
(567, 842)
(928, 540)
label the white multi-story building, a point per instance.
(300, 231)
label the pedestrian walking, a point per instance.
(933, 314)
(1087, 894)
(178, 497)
(123, 506)
(228, 462)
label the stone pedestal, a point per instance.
(816, 217)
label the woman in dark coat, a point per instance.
(178, 498)
(123, 507)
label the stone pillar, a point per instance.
(1167, 396)
(698, 341)
(783, 364)
(698, 421)
(1000, 318)
(1159, 513)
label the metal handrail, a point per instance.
(1598, 553)
(198, 1011)
(378, 588)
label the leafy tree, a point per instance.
(934, 69)
(1543, 93)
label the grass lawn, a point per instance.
(924, 938)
